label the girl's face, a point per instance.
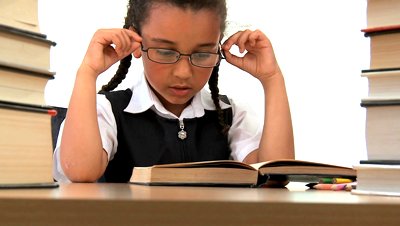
(185, 31)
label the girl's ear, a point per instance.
(138, 52)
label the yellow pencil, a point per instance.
(342, 180)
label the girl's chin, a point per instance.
(180, 101)
(177, 101)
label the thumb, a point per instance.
(232, 59)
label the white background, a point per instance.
(318, 44)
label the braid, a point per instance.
(213, 85)
(119, 75)
(124, 64)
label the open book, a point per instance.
(234, 173)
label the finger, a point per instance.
(133, 34)
(134, 39)
(232, 59)
(126, 41)
(253, 38)
(123, 44)
(256, 38)
(117, 42)
(227, 45)
(133, 43)
(242, 40)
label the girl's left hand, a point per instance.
(259, 60)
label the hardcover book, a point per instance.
(384, 46)
(378, 178)
(25, 145)
(234, 173)
(383, 83)
(383, 13)
(382, 128)
(20, 14)
(24, 48)
(22, 84)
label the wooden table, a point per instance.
(126, 204)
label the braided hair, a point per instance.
(137, 13)
(213, 86)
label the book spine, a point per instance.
(25, 33)
(28, 107)
(368, 32)
(393, 69)
(379, 102)
(381, 162)
(26, 70)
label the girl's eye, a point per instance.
(166, 52)
(201, 56)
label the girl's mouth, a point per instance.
(180, 90)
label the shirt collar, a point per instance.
(143, 98)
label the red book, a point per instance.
(381, 29)
(385, 46)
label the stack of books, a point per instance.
(26, 142)
(380, 173)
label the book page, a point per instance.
(215, 163)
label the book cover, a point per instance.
(382, 102)
(369, 102)
(381, 30)
(29, 185)
(381, 161)
(380, 70)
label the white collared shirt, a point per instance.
(243, 137)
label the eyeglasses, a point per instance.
(170, 56)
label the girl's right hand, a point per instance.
(108, 46)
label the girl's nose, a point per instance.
(183, 68)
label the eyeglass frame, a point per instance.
(219, 53)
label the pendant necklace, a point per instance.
(182, 133)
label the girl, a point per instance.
(168, 116)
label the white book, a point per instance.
(382, 128)
(383, 84)
(378, 179)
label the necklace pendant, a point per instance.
(182, 134)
